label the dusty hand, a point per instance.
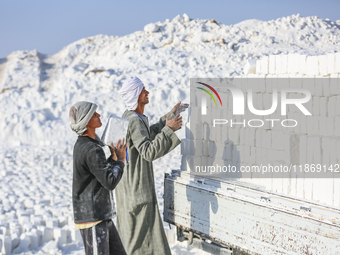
(175, 107)
(120, 150)
(178, 108)
(174, 123)
(113, 152)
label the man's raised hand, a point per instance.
(179, 107)
(119, 151)
(174, 123)
(175, 107)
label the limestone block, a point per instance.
(6, 244)
(338, 156)
(284, 64)
(52, 223)
(235, 155)
(308, 188)
(206, 161)
(309, 84)
(318, 86)
(295, 81)
(293, 63)
(258, 138)
(15, 241)
(34, 240)
(184, 163)
(334, 86)
(5, 231)
(291, 59)
(227, 153)
(37, 233)
(252, 83)
(50, 247)
(242, 136)
(310, 149)
(312, 125)
(277, 140)
(250, 66)
(275, 155)
(205, 145)
(196, 114)
(207, 118)
(336, 198)
(262, 83)
(303, 149)
(219, 151)
(37, 220)
(312, 66)
(234, 135)
(323, 65)
(207, 132)
(331, 63)
(333, 153)
(325, 83)
(60, 236)
(337, 112)
(270, 79)
(76, 236)
(278, 64)
(337, 62)
(300, 186)
(337, 126)
(272, 64)
(46, 234)
(198, 148)
(225, 134)
(303, 64)
(331, 106)
(258, 66)
(267, 139)
(24, 218)
(25, 242)
(198, 131)
(212, 149)
(323, 107)
(185, 147)
(327, 126)
(291, 144)
(252, 157)
(265, 65)
(188, 132)
(250, 137)
(195, 161)
(219, 131)
(316, 106)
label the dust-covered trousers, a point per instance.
(102, 239)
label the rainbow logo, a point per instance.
(213, 90)
(204, 100)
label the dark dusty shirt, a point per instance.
(94, 177)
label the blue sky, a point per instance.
(49, 25)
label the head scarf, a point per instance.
(130, 92)
(80, 114)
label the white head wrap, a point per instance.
(130, 92)
(80, 114)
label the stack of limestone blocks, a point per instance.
(246, 146)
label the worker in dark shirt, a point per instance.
(94, 178)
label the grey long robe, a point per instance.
(139, 223)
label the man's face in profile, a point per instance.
(143, 97)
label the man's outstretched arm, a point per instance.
(163, 142)
(157, 127)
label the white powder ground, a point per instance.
(37, 91)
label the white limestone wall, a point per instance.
(316, 139)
